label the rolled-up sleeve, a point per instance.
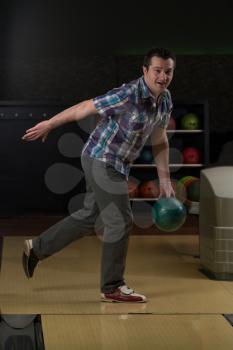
(113, 102)
(167, 108)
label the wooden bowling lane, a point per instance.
(1, 248)
(136, 332)
(161, 267)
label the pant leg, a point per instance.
(111, 193)
(73, 227)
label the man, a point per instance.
(129, 114)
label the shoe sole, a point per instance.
(119, 301)
(26, 247)
(26, 253)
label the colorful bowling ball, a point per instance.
(191, 155)
(149, 189)
(180, 191)
(132, 189)
(168, 214)
(184, 183)
(188, 180)
(171, 124)
(193, 191)
(190, 121)
(185, 178)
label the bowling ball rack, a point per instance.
(179, 139)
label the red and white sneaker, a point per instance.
(123, 294)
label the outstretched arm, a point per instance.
(74, 113)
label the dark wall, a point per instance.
(73, 78)
(197, 77)
(64, 28)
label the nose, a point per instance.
(163, 76)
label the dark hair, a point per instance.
(158, 52)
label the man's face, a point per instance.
(159, 74)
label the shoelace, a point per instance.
(126, 290)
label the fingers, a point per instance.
(30, 133)
(30, 130)
(37, 131)
(30, 136)
(33, 129)
(166, 193)
(45, 136)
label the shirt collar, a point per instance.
(145, 92)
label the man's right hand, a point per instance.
(40, 130)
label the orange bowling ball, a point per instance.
(149, 189)
(132, 189)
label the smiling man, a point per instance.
(128, 116)
(158, 73)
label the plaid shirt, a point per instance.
(129, 114)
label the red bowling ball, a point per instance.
(191, 155)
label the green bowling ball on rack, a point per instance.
(190, 121)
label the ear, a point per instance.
(144, 69)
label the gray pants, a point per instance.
(107, 198)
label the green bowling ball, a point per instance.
(190, 121)
(168, 214)
(193, 191)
